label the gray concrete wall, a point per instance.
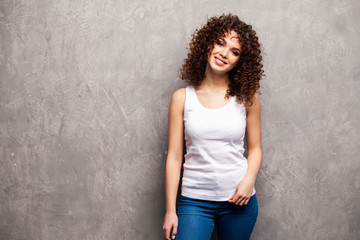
(84, 95)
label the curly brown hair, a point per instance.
(245, 76)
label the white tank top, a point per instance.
(214, 161)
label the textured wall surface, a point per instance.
(84, 94)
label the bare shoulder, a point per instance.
(255, 104)
(178, 99)
(180, 93)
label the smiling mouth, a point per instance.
(220, 61)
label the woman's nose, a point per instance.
(224, 52)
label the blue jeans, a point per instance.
(196, 219)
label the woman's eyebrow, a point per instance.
(236, 47)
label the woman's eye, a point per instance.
(220, 43)
(236, 53)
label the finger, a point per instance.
(164, 231)
(244, 202)
(174, 232)
(236, 199)
(240, 199)
(165, 237)
(167, 233)
(233, 196)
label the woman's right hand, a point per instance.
(170, 223)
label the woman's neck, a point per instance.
(215, 81)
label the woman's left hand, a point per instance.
(243, 191)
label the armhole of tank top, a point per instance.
(240, 107)
(186, 105)
(244, 109)
(244, 112)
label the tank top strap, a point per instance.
(190, 103)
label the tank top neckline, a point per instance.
(210, 109)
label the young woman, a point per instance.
(214, 114)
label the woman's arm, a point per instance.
(174, 160)
(253, 138)
(243, 191)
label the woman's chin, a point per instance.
(218, 71)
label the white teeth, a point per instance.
(220, 60)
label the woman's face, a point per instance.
(225, 54)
